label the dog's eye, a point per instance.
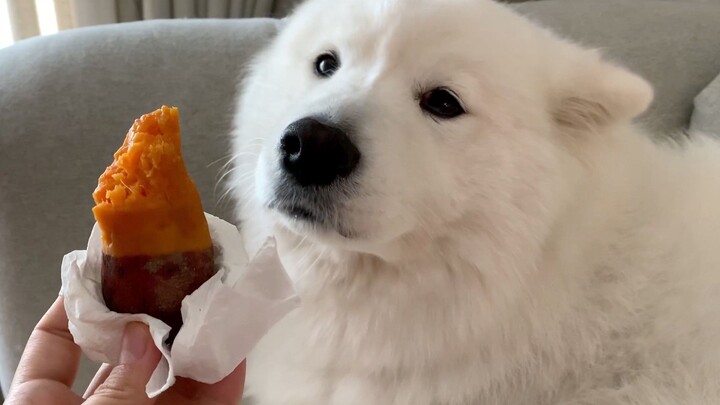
(326, 64)
(441, 103)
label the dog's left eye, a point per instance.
(441, 103)
(326, 64)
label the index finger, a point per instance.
(51, 353)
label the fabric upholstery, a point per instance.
(706, 117)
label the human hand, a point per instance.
(49, 364)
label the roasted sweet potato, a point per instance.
(156, 243)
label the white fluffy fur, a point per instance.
(538, 250)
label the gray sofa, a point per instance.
(67, 100)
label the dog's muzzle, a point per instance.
(317, 158)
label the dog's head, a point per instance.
(367, 122)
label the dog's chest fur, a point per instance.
(435, 331)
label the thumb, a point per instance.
(126, 382)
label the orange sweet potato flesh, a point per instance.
(146, 203)
(155, 238)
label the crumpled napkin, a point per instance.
(222, 320)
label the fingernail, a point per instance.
(134, 343)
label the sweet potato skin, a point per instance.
(154, 285)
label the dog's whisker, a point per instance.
(229, 156)
(224, 176)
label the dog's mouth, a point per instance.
(304, 219)
(299, 212)
(313, 211)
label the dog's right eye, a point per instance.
(326, 64)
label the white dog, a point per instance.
(471, 218)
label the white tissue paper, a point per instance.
(222, 320)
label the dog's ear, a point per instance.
(594, 93)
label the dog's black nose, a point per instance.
(316, 153)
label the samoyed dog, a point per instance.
(470, 217)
